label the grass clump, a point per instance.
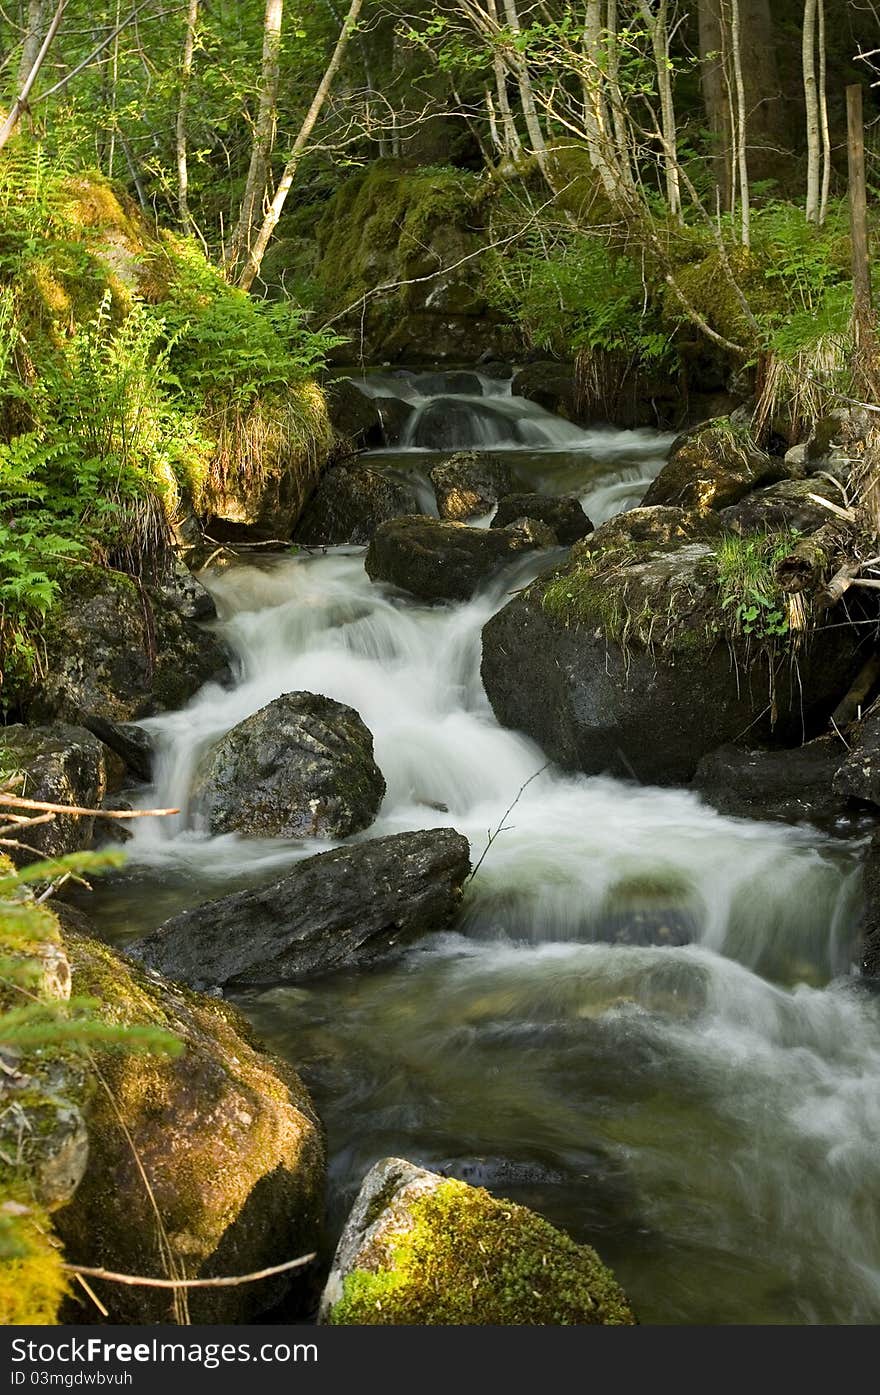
(469, 1259)
(750, 597)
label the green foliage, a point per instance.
(471, 1259)
(750, 595)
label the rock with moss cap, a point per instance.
(628, 661)
(226, 1135)
(713, 465)
(300, 767)
(424, 1250)
(436, 560)
(790, 505)
(121, 651)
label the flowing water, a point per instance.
(706, 1113)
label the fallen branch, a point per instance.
(15, 801)
(846, 514)
(139, 1281)
(501, 826)
(807, 563)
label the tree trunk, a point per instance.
(186, 66)
(715, 95)
(811, 104)
(823, 116)
(741, 140)
(38, 14)
(526, 95)
(20, 103)
(659, 31)
(512, 145)
(867, 356)
(256, 186)
(256, 252)
(595, 108)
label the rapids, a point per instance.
(707, 1114)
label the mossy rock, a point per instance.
(119, 650)
(423, 1250)
(711, 467)
(33, 1281)
(58, 764)
(219, 1147)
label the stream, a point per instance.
(706, 1113)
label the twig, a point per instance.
(500, 828)
(16, 802)
(139, 1281)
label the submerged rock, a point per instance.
(712, 466)
(422, 1249)
(121, 651)
(773, 784)
(621, 662)
(469, 483)
(441, 561)
(334, 911)
(226, 1135)
(301, 767)
(57, 764)
(562, 513)
(350, 503)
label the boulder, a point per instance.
(301, 767)
(56, 764)
(838, 438)
(782, 506)
(441, 561)
(350, 503)
(773, 784)
(624, 662)
(226, 1135)
(342, 908)
(187, 594)
(395, 416)
(468, 484)
(560, 512)
(858, 775)
(132, 744)
(118, 650)
(712, 466)
(660, 524)
(871, 920)
(353, 414)
(420, 1249)
(550, 385)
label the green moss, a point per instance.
(33, 1282)
(471, 1259)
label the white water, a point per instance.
(738, 1095)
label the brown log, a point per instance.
(804, 567)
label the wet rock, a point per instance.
(395, 416)
(350, 503)
(132, 744)
(773, 784)
(620, 662)
(858, 775)
(340, 909)
(226, 1134)
(460, 382)
(353, 414)
(560, 512)
(469, 484)
(838, 438)
(120, 651)
(712, 466)
(422, 1249)
(59, 764)
(782, 506)
(550, 385)
(301, 767)
(660, 524)
(187, 594)
(441, 561)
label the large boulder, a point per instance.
(353, 414)
(131, 744)
(208, 1163)
(342, 908)
(468, 484)
(441, 561)
(350, 503)
(712, 466)
(773, 784)
(56, 764)
(660, 525)
(395, 416)
(625, 662)
(420, 1249)
(560, 512)
(550, 385)
(301, 767)
(120, 650)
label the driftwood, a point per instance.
(804, 567)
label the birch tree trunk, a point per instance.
(257, 251)
(740, 143)
(26, 87)
(811, 103)
(256, 186)
(511, 144)
(823, 116)
(596, 121)
(38, 14)
(186, 66)
(658, 28)
(526, 95)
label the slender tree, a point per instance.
(257, 183)
(186, 67)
